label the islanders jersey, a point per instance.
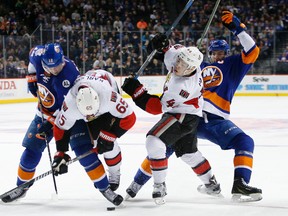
(221, 80)
(52, 88)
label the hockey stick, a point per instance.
(30, 182)
(208, 23)
(149, 58)
(47, 144)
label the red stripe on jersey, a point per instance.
(202, 168)
(114, 161)
(159, 164)
(128, 122)
(172, 118)
(58, 133)
(154, 106)
(193, 102)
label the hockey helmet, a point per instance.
(53, 59)
(87, 101)
(219, 45)
(187, 60)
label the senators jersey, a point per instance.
(180, 94)
(110, 101)
(222, 78)
(52, 88)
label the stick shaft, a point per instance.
(150, 57)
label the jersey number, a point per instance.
(122, 106)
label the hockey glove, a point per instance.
(105, 142)
(231, 22)
(45, 128)
(133, 87)
(159, 42)
(32, 84)
(59, 163)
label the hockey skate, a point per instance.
(15, 195)
(159, 192)
(132, 190)
(241, 192)
(212, 189)
(114, 180)
(111, 196)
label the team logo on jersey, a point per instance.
(46, 97)
(184, 94)
(66, 83)
(113, 97)
(212, 76)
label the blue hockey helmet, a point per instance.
(53, 58)
(218, 45)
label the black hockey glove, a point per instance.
(105, 142)
(232, 22)
(59, 163)
(44, 129)
(159, 42)
(133, 87)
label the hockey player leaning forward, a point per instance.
(94, 100)
(51, 75)
(221, 78)
(181, 103)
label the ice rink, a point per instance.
(263, 118)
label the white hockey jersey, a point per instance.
(110, 100)
(181, 94)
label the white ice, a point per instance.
(264, 118)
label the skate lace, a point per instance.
(109, 194)
(246, 185)
(114, 178)
(161, 188)
(135, 187)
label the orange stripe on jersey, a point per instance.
(202, 168)
(217, 100)
(251, 57)
(154, 106)
(96, 173)
(114, 161)
(25, 176)
(159, 164)
(146, 166)
(128, 122)
(243, 161)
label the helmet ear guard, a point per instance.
(87, 101)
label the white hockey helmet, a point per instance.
(187, 61)
(87, 101)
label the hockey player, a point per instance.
(221, 78)
(93, 100)
(50, 76)
(181, 102)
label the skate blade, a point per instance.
(159, 201)
(127, 197)
(251, 198)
